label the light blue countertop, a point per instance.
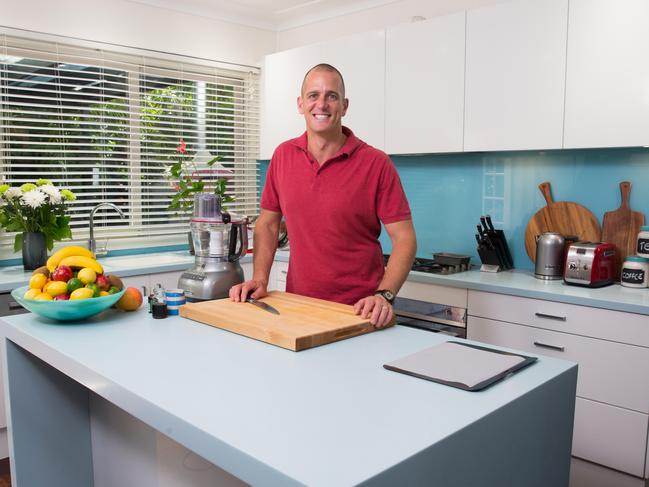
(326, 416)
(515, 283)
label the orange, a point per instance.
(131, 300)
(37, 281)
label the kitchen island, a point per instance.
(328, 416)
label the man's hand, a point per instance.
(255, 288)
(376, 308)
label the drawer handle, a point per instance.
(551, 317)
(284, 272)
(14, 305)
(551, 347)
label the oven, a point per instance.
(438, 318)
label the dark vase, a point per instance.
(34, 250)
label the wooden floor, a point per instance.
(5, 476)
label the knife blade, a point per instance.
(262, 305)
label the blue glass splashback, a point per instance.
(449, 192)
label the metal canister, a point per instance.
(549, 256)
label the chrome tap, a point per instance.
(92, 244)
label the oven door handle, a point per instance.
(431, 319)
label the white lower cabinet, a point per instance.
(278, 275)
(611, 412)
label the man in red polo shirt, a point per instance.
(334, 192)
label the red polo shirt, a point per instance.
(333, 216)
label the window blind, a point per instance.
(106, 125)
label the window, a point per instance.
(106, 125)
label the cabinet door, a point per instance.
(168, 280)
(143, 283)
(424, 87)
(360, 59)
(247, 270)
(607, 83)
(278, 276)
(515, 75)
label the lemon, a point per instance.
(56, 287)
(104, 293)
(37, 281)
(43, 297)
(82, 293)
(87, 275)
(31, 294)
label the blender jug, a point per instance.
(220, 240)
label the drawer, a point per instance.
(432, 293)
(610, 436)
(610, 372)
(8, 306)
(616, 326)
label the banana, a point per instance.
(56, 258)
(82, 261)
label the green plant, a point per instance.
(187, 180)
(35, 207)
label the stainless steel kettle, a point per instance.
(549, 256)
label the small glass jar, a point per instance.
(635, 271)
(642, 244)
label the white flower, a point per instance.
(12, 193)
(167, 172)
(52, 192)
(33, 198)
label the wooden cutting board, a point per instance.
(621, 227)
(303, 322)
(564, 217)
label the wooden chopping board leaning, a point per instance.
(564, 217)
(621, 227)
(302, 322)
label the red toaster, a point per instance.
(590, 264)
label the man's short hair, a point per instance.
(325, 67)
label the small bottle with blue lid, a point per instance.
(635, 271)
(642, 245)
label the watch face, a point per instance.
(388, 295)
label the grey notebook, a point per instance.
(461, 365)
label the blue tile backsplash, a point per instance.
(449, 192)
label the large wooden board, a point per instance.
(621, 227)
(564, 217)
(303, 322)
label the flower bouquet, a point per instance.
(187, 179)
(35, 208)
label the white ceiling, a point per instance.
(275, 15)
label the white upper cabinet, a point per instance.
(360, 59)
(424, 88)
(607, 83)
(515, 75)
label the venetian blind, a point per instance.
(106, 126)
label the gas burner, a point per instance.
(429, 266)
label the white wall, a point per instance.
(138, 25)
(372, 19)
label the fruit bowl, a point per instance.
(66, 310)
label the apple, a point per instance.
(62, 273)
(62, 297)
(103, 282)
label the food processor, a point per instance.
(220, 240)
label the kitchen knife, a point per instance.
(262, 305)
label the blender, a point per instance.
(220, 240)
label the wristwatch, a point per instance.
(387, 294)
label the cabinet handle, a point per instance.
(551, 317)
(551, 347)
(144, 292)
(14, 305)
(284, 272)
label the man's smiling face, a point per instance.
(322, 102)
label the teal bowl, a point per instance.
(66, 310)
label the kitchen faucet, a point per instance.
(92, 244)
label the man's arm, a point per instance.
(404, 248)
(265, 245)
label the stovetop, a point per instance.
(431, 267)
